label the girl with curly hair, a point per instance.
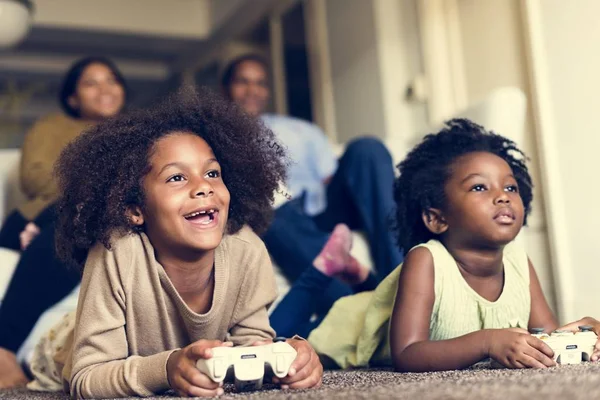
(466, 290)
(160, 208)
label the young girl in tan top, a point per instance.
(165, 201)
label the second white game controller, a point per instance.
(249, 363)
(569, 347)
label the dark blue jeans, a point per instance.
(360, 195)
(311, 296)
(39, 281)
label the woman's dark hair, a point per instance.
(71, 79)
(100, 173)
(426, 169)
(231, 68)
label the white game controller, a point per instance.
(569, 347)
(249, 363)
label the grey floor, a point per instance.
(562, 382)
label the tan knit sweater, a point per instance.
(43, 144)
(130, 317)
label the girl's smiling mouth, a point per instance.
(206, 217)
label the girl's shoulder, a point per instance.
(432, 251)
(124, 249)
(243, 245)
(119, 266)
(245, 240)
(56, 123)
(515, 257)
(513, 251)
(419, 263)
(248, 264)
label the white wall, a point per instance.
(354, 68)
(180, 18)
(400, 62)
(494, 57)
(374, 53)
(570, 34)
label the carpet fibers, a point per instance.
(564, 382)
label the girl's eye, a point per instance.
(478, 188)
(512, 188)
(176, 178)
(214, 174)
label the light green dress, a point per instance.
(355, 333)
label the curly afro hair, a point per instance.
(100, 173)
(425, 170)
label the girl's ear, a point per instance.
(135, 215)
(434, 221)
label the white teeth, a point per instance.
(191, 215)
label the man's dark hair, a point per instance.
(231, 68)
(100, 173)
(71, 79)
(426, 169)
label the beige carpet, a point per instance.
(568, 382)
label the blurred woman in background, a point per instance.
(93, 90)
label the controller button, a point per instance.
(280, 364)
(279, 339)
(537, 330)
(218, 367)
(585, 328)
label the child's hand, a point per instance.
(516, 348)
(183, 375)
(29, 233)
(305, 372)
(596, 328)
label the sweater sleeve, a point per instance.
(101, 364)
(258, 291)
(36, 164)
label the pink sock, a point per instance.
(335, 255)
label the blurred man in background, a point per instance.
(355, 191)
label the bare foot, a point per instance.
(11, 374)
(335, 259)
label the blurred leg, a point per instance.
(293, 239)
(361, 195)
(12, 227)
(306, 297)
(40, 280)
